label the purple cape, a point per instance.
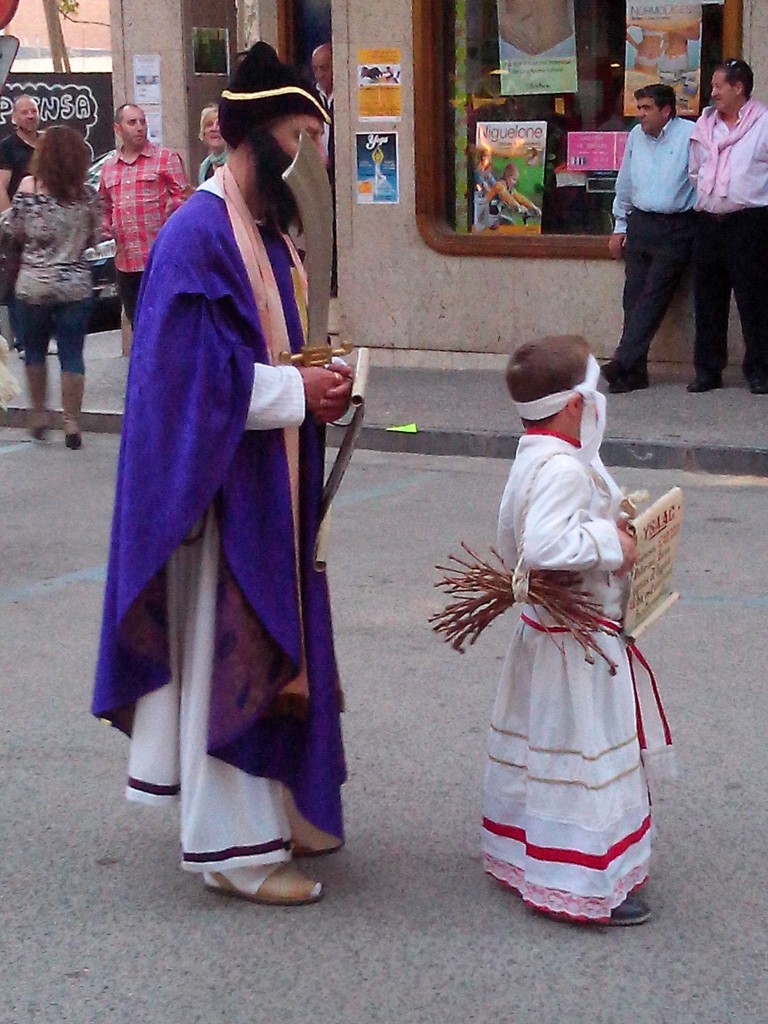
(184, 446)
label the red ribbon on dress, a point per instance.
(649, 711)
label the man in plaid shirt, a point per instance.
(140, 187)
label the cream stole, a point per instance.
(272, 319)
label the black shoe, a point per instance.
(632, 911)
(758, 385)
(73, 441)
(633, 380)
(611, 371)
(702, 384)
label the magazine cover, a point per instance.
(664, 45)
(508, 176)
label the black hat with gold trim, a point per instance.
(261, 91)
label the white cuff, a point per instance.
(277, 399)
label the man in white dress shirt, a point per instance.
(654, 227)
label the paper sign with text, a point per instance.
(658, 532)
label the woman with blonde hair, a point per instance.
(211, 137)
(55, 217)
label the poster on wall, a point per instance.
(146, 78)
(379, 96)
(595, 151)
(664, 45)
(154, 116)
(537, 47)
(377, 172)
(210, 51)
(508, 176)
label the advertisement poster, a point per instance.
(664, 45)
(378, 85)
(377, 177)
(537, 47)
(146, 78)
(595, 151)
(508, 176)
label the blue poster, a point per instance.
(377, 167)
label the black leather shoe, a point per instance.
(634, 380)
(632, 911)
(758, 385)
(702, 384)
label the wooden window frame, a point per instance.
(430, 101)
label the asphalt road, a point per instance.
(98, 924)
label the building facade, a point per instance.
(446, 257)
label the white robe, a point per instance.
(231, 822)
(566, 812)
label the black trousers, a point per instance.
(128, 284)
(731, 255)
(657, 252)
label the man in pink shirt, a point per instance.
(729, 170)
(141, 185)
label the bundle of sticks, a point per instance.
(481, 590)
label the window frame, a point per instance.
(430, 102)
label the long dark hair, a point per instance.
(61, 162)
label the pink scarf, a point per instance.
(715, 171)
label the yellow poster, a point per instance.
(378, 85)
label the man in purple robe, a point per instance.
(216, 653)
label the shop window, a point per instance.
(523, 106)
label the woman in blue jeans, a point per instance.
(55, 216)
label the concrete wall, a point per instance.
(396, 294)
(149, 27)
(144, 27)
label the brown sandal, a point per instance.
(285, 887)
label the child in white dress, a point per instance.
(566, 809)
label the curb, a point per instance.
(629, 453)
(93, 422)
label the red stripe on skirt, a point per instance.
(598, 861)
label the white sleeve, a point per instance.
(277, 399)
(560, 532)
(622, 203)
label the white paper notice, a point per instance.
(146, 78)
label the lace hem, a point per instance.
(565, 904)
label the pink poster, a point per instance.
(596, 151)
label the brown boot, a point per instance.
(72, 387)
(37, 382)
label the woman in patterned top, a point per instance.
(55, 216)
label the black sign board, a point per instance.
(82, 101)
